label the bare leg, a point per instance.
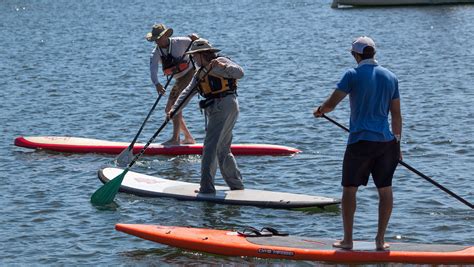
(176, 124)
(385, 210)
(349, 203)
(178, 121)
(188, 138)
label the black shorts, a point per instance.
(366, 157)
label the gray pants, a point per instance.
(222, 115)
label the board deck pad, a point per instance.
(230, 243)
(87, 145)
(326, 244)
(151, 186)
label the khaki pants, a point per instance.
(222, 116)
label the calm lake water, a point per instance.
(81, 69)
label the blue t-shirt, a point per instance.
(371, 89)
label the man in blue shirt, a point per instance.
(372, 148)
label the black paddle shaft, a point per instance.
(166, 122)
(415, 171)
(168, 80)
(149, 114)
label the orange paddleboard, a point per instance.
(231, 243)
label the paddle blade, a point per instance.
(106, 194)
(125, 157)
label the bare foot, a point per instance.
(189, 141)
(381, 245)
(171, 142)
(342, 244)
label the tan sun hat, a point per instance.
(158, 31)
(201, 45)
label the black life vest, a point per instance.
(172, 65)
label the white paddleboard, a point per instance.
(151, 186)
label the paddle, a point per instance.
(106, 193)
(415, 171)
(126, 156)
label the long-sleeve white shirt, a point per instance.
(177, 48)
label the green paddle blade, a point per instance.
(125, 157)
(106, 193)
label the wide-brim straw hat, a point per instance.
(201, 45)
(158, 31)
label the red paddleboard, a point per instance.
(231, 243)
(87, 145)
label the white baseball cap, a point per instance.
(362, 42)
